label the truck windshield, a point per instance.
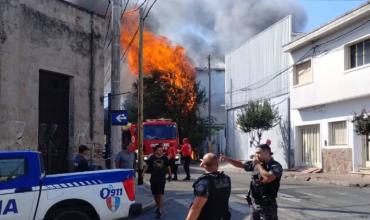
(159, 132)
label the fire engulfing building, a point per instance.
(51, 79)
(259, 70)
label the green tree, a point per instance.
(156, 93)
(257, 117)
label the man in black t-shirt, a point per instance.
(265, 183)
(158, 166)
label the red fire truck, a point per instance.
(156, 131)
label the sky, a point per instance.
(320, 12)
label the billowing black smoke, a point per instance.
(217, 26)
(213, 26)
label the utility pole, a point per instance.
(116, 77)
(289, 134)
(140, 99)
(109, 133)
(209, 103)
(227, 116)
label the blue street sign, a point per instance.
(119, 117)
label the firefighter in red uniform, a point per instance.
(186, 155)
(171, 153)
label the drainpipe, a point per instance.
(289, 135)
(92, 80)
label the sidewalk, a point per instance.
(144, 197)
(349, 180)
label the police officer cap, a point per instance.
(82, 148)
(265, 147)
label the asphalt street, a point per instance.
(296, 199)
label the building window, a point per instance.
(338, 133)
(360, 54)
(303, 73)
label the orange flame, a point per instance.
(161, 56)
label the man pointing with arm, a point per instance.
(265, 183)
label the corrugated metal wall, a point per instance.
(257, 70)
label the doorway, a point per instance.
(54, 121)
(367, 151)
(310, 143)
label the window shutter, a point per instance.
(338, 133)
(303, 73)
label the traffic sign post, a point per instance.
(119, 117)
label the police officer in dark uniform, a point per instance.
(265, 183)
(80, 162)
(212, 191)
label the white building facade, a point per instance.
(259, 70)
(329, 82)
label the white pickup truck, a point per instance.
(27, 193)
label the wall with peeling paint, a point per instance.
(54, 36)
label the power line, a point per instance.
(286, 69)
(129, 45)
(124, 10)
(106, 73)
(137, 1)
(274, 76)
(146, 5)
(150, 8)
(106, 11)
(108, 28)
(141, 5)
(138, 7)
(261, 99)
(137, 30)
(106, 34)
(344, 34)
(337, 0)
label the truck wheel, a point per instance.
(68, 214)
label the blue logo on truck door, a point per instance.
(112, 197)
(7, 207)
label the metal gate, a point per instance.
(311, 152)
(54, 121)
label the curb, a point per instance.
(327, 181)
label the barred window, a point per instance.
(338, 133)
